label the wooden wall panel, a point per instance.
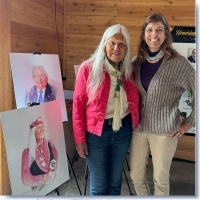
(91, 10)
(25, 26)
(24, 30)
(134, 11)
(86, 20)
(127, 3)
(126, 21)
(84, 30)
(24, 17)
(186, 148)
(37, 26)
(34, 8)
(6, 93)
(23, 45)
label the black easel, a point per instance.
(73, 173)
(57, 191)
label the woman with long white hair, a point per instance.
(105, 106)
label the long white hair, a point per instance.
(32, 145)
(97, 60)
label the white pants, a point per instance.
(162, 147)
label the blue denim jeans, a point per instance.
(106, 157)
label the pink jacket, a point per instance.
(91, 117)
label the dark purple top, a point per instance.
(148, 70)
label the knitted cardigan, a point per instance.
(159, 111)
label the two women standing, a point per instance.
(105, 107)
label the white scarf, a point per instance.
(118, 108)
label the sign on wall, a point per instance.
(184, 41)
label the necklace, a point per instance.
(156, 57)
(41, 147)
(155, 61)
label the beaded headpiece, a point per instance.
(36, 122)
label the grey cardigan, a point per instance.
(159, 111)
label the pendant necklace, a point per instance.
(41, 149)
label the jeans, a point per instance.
(106, 157)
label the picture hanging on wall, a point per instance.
(184, 41)
(37, 78)
(35, 149)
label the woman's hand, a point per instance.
(183, 129)
(82, 150)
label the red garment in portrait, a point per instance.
(42, 162)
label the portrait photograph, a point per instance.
(185, 107)
(35, 149)
(186, 49)
(37, 79)
(191, 55)
(185, 104)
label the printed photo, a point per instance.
(37, 79)
(192, 55)
(35, 148)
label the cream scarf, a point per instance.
(118, 108)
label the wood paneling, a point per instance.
(135, 11)
(91, 10)
(29, 45)
(36, 23)
(25, 26)
(24, 30)
(186, 148)
(126, 21)
(85, 30)
(86, 20)
(119, 3)
(34, 8)
(24, 17)
(6, 93)
(37, 26)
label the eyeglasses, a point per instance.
(113, 44)
(42, 76)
